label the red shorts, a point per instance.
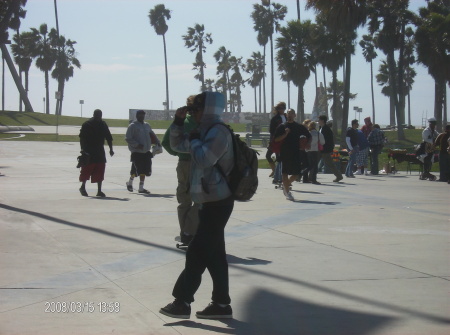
(93, 171)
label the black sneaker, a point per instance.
(83, 192)
(177, 309)
(101, 194)
(214, 311)
(144, 191)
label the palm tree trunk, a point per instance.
(47, 95)
(438, 101)
(167, 73)
(264, 82)
(289, 92)
(256, 102)
(401, 95)
(391, 65)
(335, 104)
(20, 98)
(272, 97)
(371, 87)
(260, 96)
(346, 95)
(325, 87)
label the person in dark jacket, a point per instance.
(276, 120)
(93, 134)
(328, 147)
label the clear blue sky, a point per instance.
(123, 64)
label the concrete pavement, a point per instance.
(365, 256)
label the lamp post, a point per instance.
(359, 111)
(81, 105)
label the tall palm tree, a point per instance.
(158, 17)
(21, 50)
(222, 57)
(65, 63)
(433, 48)
(45, 54)
(295, 56)
(236, 80)
(196, 40)
(266, 18)
(330, 50)
(11, 12)
(255, 67)
(369, 54)
(343, 16)
(387, 19)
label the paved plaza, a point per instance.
(369, 255)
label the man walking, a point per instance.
(328, 147)
(211, 150)
(93, 134)
(140, 137)
(289, 134)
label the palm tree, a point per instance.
(433, 48)
(387, 20)
(236, 80)
(329, 48)
(384, 79)
(295, 56)
(266, 18)
(222, 57)
(209, 83)
(369, 54)
(21, 50)
(65, 63)
(11, 12)
(339, 92)
(158, 17)
(343, 16)
(196, 40)
(45, 54)
(255, 67)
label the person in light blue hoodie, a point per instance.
(211, 147)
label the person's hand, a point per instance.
(194, 135)
(287, 131)
(180, 116)
(111, 153)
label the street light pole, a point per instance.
(81, 104)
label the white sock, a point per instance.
(141, 185)
(222, 305)
(131, 181)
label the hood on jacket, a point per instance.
(367, 121)
(212, 104)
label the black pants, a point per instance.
(207, 251)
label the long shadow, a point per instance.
(155, 195)
(311, 286)
(233, 325)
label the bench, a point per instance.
(264, 138)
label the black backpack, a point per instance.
(243, 179)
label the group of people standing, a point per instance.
(298, 148)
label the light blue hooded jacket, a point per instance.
(214, 146)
